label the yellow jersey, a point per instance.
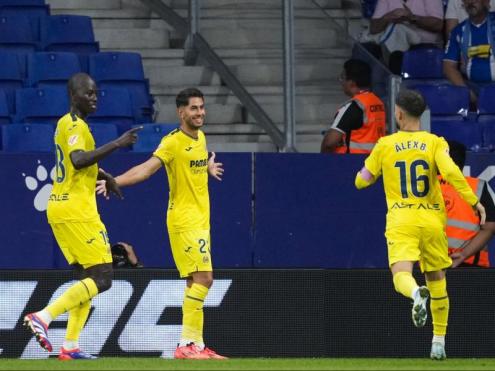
(409, 163)
(186, 162)
(73, 196)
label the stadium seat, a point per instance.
(103, 133)
(16, 34)
(28, 138)
(125, 70)
(33, 10)
(5, 117)
(50, 69)
(445, 100)
(114, 106)
(486, 100)
(11, 77)
(423, 63)
(468, 132)
(41, 105)
(70, 33)
(151, 135)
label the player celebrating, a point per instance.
(183, 153)
(74, 218)
(409, 161)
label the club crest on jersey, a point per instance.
(73, 139)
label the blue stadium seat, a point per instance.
(103, 132)
(486, 100)
(151, 135)
(5, 117)
(16, 34)
(11, 77)
(41, 105)
(70, 33)
(28, 138)
(423, 63)
(488, 127)
(468, 132)
(34, 12)
(114, 106)
(125, 70)
(50, 69)
(446, 100)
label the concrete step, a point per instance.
(260, 34)
(84, 4)
(252, 129)
(127, 38)
(272, 74)
(250, 4)
(179, 77)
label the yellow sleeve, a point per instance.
(76, 134)
(374, 161)
(166, 150)
(451, 172)
(360, 182)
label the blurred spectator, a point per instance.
(468, 58)
(402, 25)
(124, 256)
(456, 14)
(467, 239)
(360, 122)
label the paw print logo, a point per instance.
(35, 184)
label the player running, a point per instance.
(409, 161)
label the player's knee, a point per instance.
(102, 274)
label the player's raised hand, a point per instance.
(129, 137)
(215, 169)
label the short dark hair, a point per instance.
(182, 98)
(358, 71)
(76, 81)
(457, 152)
(412, 102)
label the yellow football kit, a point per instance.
(72, 210)
(188, 215)
(416, 218)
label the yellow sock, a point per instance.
(77, 294)
(77, 320)
(192, 313)
(439, 306)
(405, 283)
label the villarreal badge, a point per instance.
(206, 259)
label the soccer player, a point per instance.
(74, 218)
(184, 155)
(409, 161)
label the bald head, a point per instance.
(82, 93)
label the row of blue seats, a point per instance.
(53, 69)
(47, 105)
(39, 137)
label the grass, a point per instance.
(253, 364)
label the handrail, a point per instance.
(206, 51)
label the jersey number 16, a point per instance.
(414, 178)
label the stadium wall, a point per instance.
(270, 211)
(249, 313)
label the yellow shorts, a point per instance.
(191, 251)
(411, 243)
(85, 243)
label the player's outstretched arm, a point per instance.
(476, 244)
(215, 169)
(106, 184)
(82, 159)
(139, 173)
(364, 178)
